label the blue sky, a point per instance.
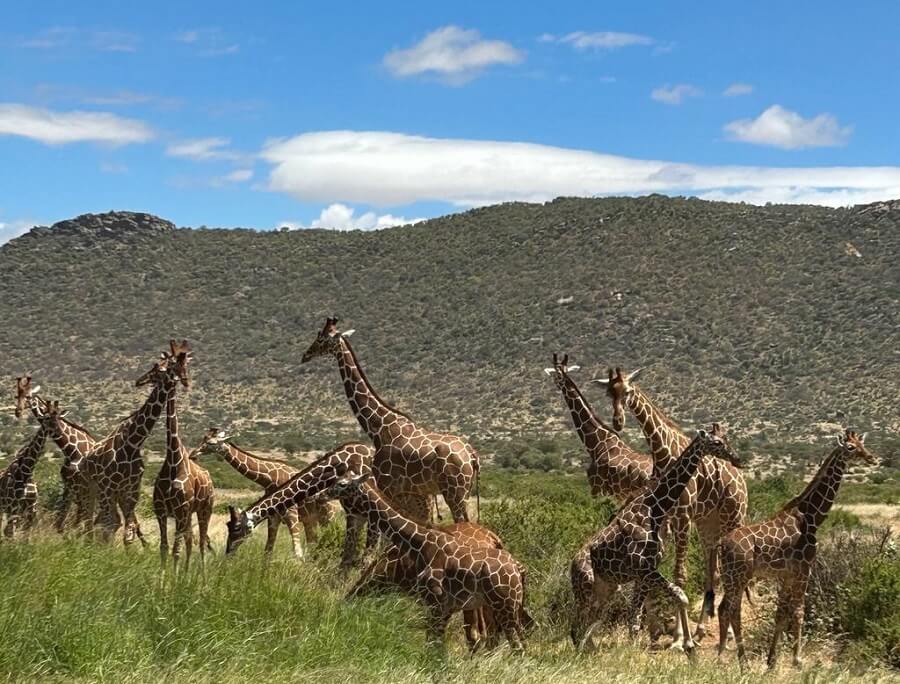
(261, 114)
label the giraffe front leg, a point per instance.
(132, 526)
(681, 531)
(351, 541)
(163, 539)
(797, 599)
(271, 535)
(709, 540)
(203, 518)
(782, 616)
(656, 582)
(437, 624)
(292, 520)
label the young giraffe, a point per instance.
(182, 488)
(630, 547)
(270, 474)
(24, 390)
(395, 569)
(306, 486)
(408, 459)
(614, 468)
(116, 464)
(715, 500)
(18, 491)
(75, 443)
(783, 548)
(449, 576)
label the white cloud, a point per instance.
(13, 229)
(453, 54)
(783, 128)
(341, 217)
(67, 36)
(738, 89)
(238, 176)
(202, 149)
(114, 41)
(209, 42)
(58, 128)
(394, 169)
(546, 38)
(676, 94)
(604, 40)
(113, 168)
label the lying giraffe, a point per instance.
(75, 442)
(630, 548)
(18, 491)
(715, 500)
(408, 459)
(783, 548)
(614, 468)
(449, 576)
(116, 464)
(270, 474)
(182, 488)
(394, 569)
(306, 486)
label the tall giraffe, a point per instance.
(449, 576)
(306, 486)
(630, 548)
(75, 442)
(116, 464)
(18, 491)
(408, 459)
(182, 488)
(614, 468)
(783, 548)
(270, 474)
(395, 569)
(24, 390)
(715, 500)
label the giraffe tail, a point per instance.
(477, 489)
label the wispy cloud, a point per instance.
(203, 149)
(233, 178)
(452, 54)
(738, 89)
(113, 168)
(393, 169)
(598, 40)
(50, 92)
(57, 37)
(14, 228)
(780, 127)
(676, 94)
(58, 128)
(339, 216)
(208, 42)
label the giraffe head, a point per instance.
(213, 442)
(853, 445)
(49, 416)
(348, 488)
(618, 389)
(327, 342)
(24, 390)
(560, 370)
(240, 524)
(171, 368)
(715, 443)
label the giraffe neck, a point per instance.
(175, 458)
(254, 469)
(74, 441)
(666, 441)
(401, 531)
(816, 500)
(371, 412)
(305, 484)
(592, 431)
(671, 484)
(29, 454)
(136, 428)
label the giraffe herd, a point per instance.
(387, 488)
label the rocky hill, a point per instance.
(783, 321)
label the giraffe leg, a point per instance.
(655, 581)
(456, 502)
(737, 627)
(203, 517)
(188, 543)
(62, 512)
(271, 535)
(10, 528)
(681, 531)
(472, 620)
(163, 539)
(351, 541)
(176, 544)
(437, 625)
(292, 520)
(782, 616)
(634, 608)
(709, 540)
(797, 599)
(132, 526)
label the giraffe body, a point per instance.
(715, 500)
(614, 469)
(408, 459)
(183, 488)
(450, 577)
(783, 548)
(271, 474)
(630, 548)
(18, 492)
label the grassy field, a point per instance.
(73, 610)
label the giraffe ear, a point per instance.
(347, 333)
(569, 369)
(702, 434)
(232, 514)
(34, 390)
(633, 374)
(602, 381)
(549, 371)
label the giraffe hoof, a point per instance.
(676, 646)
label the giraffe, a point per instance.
(394, 569)
(75, 442)
(270, 474)
(783, 548)
(18, 491)
(24, 390)
(305, 486)
(630, 547)
(715, 500)
(182, 488)
(449, 576)
(116, 464)
(408, 459)
(614, 468)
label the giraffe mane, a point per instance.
(665, 416)
(365, 379)
(259, 458)
(813, 482)
(71, 423)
